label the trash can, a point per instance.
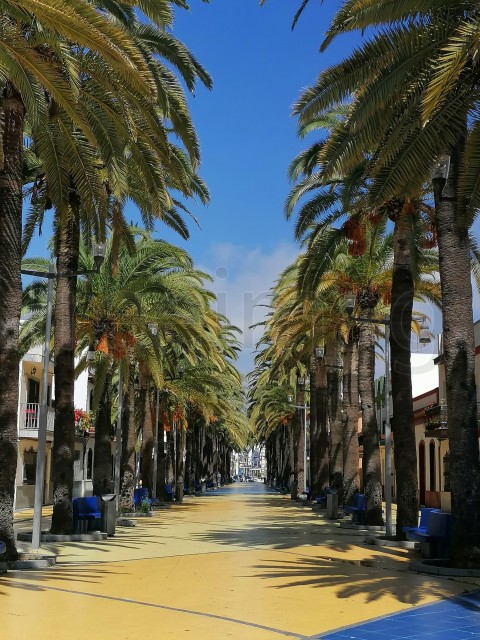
(332, 504)
(109, 514)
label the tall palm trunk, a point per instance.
(319, 433)
(334, 404)
(459, 349)
(372, 479)
(127, 478)
(228, 462)
(299, 450)
(12, 114)
(147, 428)
(190, 459)
(208, 454)
(170, 459)
(403, 426)
(102, 465)
(351, 411)
(200, 469)
(68, 237)
(181, 434)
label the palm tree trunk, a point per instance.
(372, 480)
(190, 459)
(12, 113)
(351, 411)
(334, 404)
(403, 426)
(319, 433)
(459, 353)
(299, 450)
(68, 237)
(170, 464)
(102, 464)
(127, 484)
(147, 428)
(181, 436)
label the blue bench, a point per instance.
(435, 541)
(139, 495)
(86, 510)
(168, 493)
(422, 525)
(322, 499)
(357, 509)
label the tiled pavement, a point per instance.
(454, 619)
(241, 563)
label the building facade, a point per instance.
(30, 393)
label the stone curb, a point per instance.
(427, 566)
(384, 542)
(74, 537)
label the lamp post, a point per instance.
(51, 274)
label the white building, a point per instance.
(30, 393)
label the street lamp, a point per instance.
(320, 352)
(424, 335)
(440, 175)
(51, 274)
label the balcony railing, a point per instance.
(436, 421)
(30, 414)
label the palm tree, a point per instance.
(333, 199)
(407, 130)
(98, 178)
(29, 73)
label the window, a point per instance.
(29, 466)
(446, 472)
(432, 465)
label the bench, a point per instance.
(357, 509)
(139, 495)
(435, 541)
(422, 525)
(322, 499)
(168, 493)
(85, 511)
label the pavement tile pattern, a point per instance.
(454, 619)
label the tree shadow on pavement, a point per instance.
(350, 579)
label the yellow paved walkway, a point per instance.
(250, 564)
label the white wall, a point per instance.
(81, 391)
(424, 373)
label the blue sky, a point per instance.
(248, 138)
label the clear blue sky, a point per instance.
(247, 134)
(248, 139)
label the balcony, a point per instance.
(28, 419)
(436, 421)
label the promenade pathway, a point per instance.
(238, 563)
